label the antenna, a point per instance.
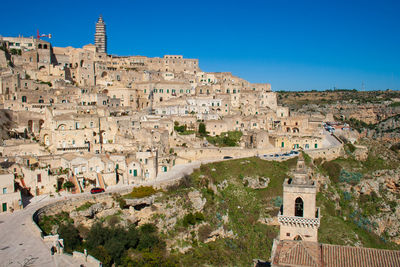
(43, 35)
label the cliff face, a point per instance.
(6, 124)
(366, 193)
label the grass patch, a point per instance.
(85, 206)
(226, 139)
(140, 192)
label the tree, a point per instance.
(68, 185)
(202, 129)
(71, 237)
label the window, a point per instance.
(5, 190)
(298, 207)
(39, 178)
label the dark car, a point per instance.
(96, 190)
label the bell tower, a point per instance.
(100, 37)
(299, 216)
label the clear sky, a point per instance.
(294, 45)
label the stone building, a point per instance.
(10, 199)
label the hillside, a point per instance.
(224, 213)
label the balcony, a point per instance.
(299, 221)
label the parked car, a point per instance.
(96, 190)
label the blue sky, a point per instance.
(294, 45)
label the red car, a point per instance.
(96, 190)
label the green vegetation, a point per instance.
(68, 185)
(85, 206)
(14, 51)
(48, 83)
(116, 245)
(46, 223)
(230, 138)
(141, 191)
(333, 170)
(182, 129)
(394, 104)
(192, 219)
(202, 129)
(350, 147)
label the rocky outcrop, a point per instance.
(219, 233)
(197, 200)
(256, 182)
(147, 201)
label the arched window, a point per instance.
(298, 207)
(298, 238)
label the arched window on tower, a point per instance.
(298, 207)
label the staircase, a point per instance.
(78, 187)
(100, 181)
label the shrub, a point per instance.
(204, 232)
(141, 191)
(278, 201)
(333, 169)
(350, 177)
(350, 147)
(192, 219)
(318, 161)
(307, 158)
(68, 185)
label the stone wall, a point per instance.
(329, 153)
(207, 153)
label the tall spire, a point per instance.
(100, 37)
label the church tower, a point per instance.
(299, 216)
(100, 37)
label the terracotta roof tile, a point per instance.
(335, 255)
(301, 253)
